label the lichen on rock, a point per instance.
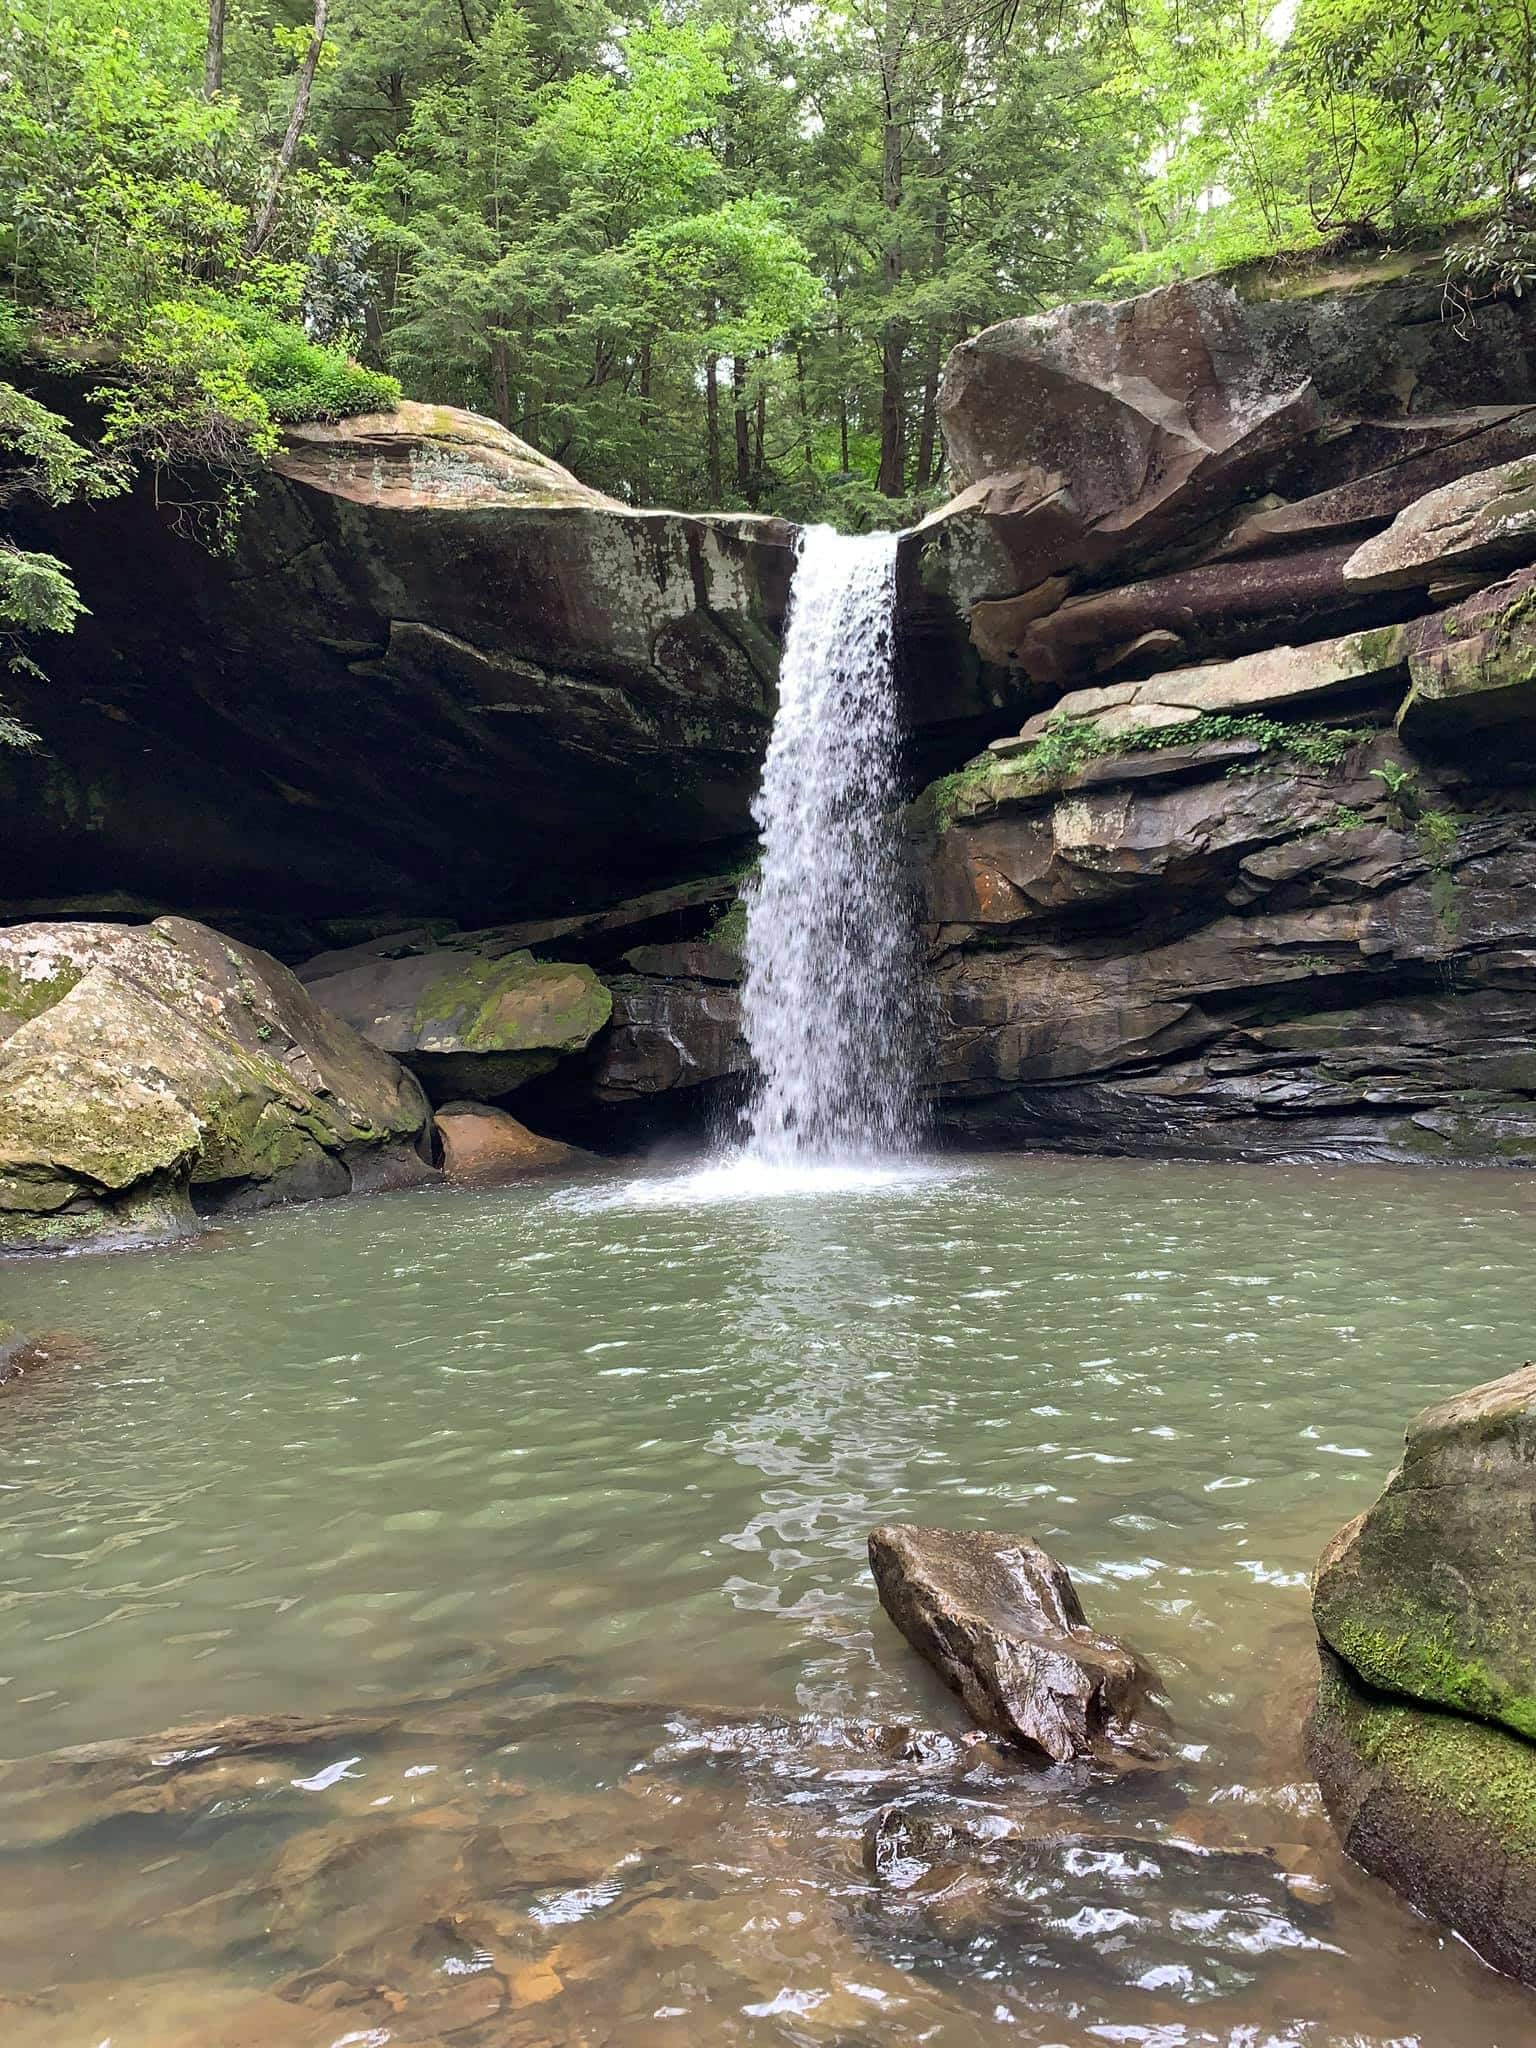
(173, 1071)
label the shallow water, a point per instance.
(591, 1468)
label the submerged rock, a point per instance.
(150, 1073)
(1106, 1904)
(468, 1021)
(1000, 1621)
(482, 1146)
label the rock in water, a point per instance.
(1439, 1806)
(148, 1072)
(482, 1146)
(1000, 1621)
(1421, 1735)
(1432, 1592)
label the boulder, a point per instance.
(484, 1146)
(999, 1620)
(1431, 1594)
(1080, 426)
(1440, 1807)
(1422, 1734)
(149, 1073)
(1194, 473)
(467, 1022)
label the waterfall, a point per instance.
(829, 1005)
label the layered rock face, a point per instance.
(1254, 877)
(1422, 1735)
(438, 677)
(151, 1074)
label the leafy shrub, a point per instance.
(1068, 744)
(1071, 743)
(300, 379)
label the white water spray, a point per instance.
(830, 1001)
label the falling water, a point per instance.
(829, 1005)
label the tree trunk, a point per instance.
(712, 432)
(501, 380)
(262, 226)
(807, 456)
(928, 431)
(743, 429)
(759, 427)
(893, 451)
(213, 54)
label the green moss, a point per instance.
(730, 929)
(935, 808)
(516, 1004)
(1483, 1775)
(1068, 745)
(1425, 1667)
(25, 999)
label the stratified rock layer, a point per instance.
(150, 1072)
(1000, 1621)
(438, 677)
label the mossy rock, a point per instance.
(471, 1024)
(1431, 1594)
(1439, 1806)
(157, 1059)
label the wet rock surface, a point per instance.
(511, 1861)
(151, 1074)
(1000, 1621)
(1439, 1806)
(1429, 1593)
(1217, 950)
(1246, 508)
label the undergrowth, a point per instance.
(1071, 743)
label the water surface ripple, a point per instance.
(629, 1435)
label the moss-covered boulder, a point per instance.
(149, 1073)
(1432, 1592)
(1439, 1806)
(1422, 1735)
(469, 1021)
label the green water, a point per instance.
(618, 1444)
